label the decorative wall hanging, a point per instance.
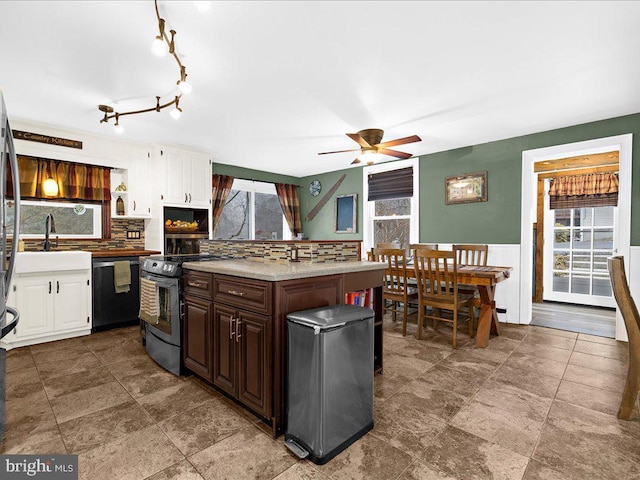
(469, 188)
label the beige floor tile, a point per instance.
(544, 351)
(58, 386)
(411, 347)
(131, 457)
(369, 458)
(196, 429)
(180, 471)
(596, 339)
(437, 400)
(248, 453)
(163, 403)
(474, 361)
(405, 428)
(540, 471)
(419, 471)
(83, 402)
(42, 437)
(554, 331)
(595, 378)
(128, 349)
(19, 359)
(67, 366)
(465, 383)
(147, 383)
(466, 456)
(302, 471)
(27, 409)
(57, 345)
(89, 431)
(599, 363)
(514, 401)
(385, 386)
(513, 331)
(409, 367)
(618, 352)
(604, 401)
(529, 380)
(542, 365)
(574, 439)
(22, 383)
(537, 338)
(51, 355)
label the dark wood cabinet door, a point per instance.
(224, 349)
(254, 362)
(197, 336)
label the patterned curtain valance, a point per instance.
(288, 197)
(221, 186)
(583, 191)
(76, 181)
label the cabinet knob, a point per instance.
(185, 198)
(134, 205)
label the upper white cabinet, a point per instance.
(186, 178)
(137, 196)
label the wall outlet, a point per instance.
(133, 234)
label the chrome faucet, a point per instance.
(49, 227)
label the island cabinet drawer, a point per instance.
(249, 294)
(199, 284)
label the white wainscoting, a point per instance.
(507, 292)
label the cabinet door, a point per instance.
(139, 194)
(224, 350)
(34, 301)
(71, 299)
(197, 336)
(174, 179)
(200, 181)
(254, 353)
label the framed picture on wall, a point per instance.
(346, 213)
(468, 188)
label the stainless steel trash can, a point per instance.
(329, 380)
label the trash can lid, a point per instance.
(332, 316)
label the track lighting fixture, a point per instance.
(160, 46)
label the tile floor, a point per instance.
(536, 404)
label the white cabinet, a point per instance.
(186, 178)
(137, 196)
(53, 305)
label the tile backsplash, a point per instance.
(281, 251)
(118, 240)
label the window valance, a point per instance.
(583, 191)
(391, 184)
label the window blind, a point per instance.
(391, 184)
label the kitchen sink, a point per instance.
(34, 262)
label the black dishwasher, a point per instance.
(111, 309)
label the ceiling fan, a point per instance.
(370, 144)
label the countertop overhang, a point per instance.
(275, 272)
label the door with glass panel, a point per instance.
(577, 244)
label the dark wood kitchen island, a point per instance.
(235, 317)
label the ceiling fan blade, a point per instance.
(358, 139)
(340, 151)
(356, 161)
(399, 141)
(394, 153)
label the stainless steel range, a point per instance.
(162, 306)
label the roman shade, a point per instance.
(584, 191)
(391, 184)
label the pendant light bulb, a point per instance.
(175, 113)
(117, 127)
(50, 187)
(185, 87)
(159, 47)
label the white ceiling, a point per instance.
(274, 83)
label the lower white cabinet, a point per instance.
(52, 306)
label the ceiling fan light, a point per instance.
(368, 156)
(159, 47)
(119, 129)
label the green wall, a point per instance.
(322, 227)
(495, 221)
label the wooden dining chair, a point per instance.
(632, 322)
(388, 245)
(476, 255)
(437, 276)
(422, 246)
(395, 288)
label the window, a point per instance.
(72, 220)
(392, 219)
(252, 212)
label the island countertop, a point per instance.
(274, 272)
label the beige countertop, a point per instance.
(274, 272)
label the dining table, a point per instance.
(485, 278)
